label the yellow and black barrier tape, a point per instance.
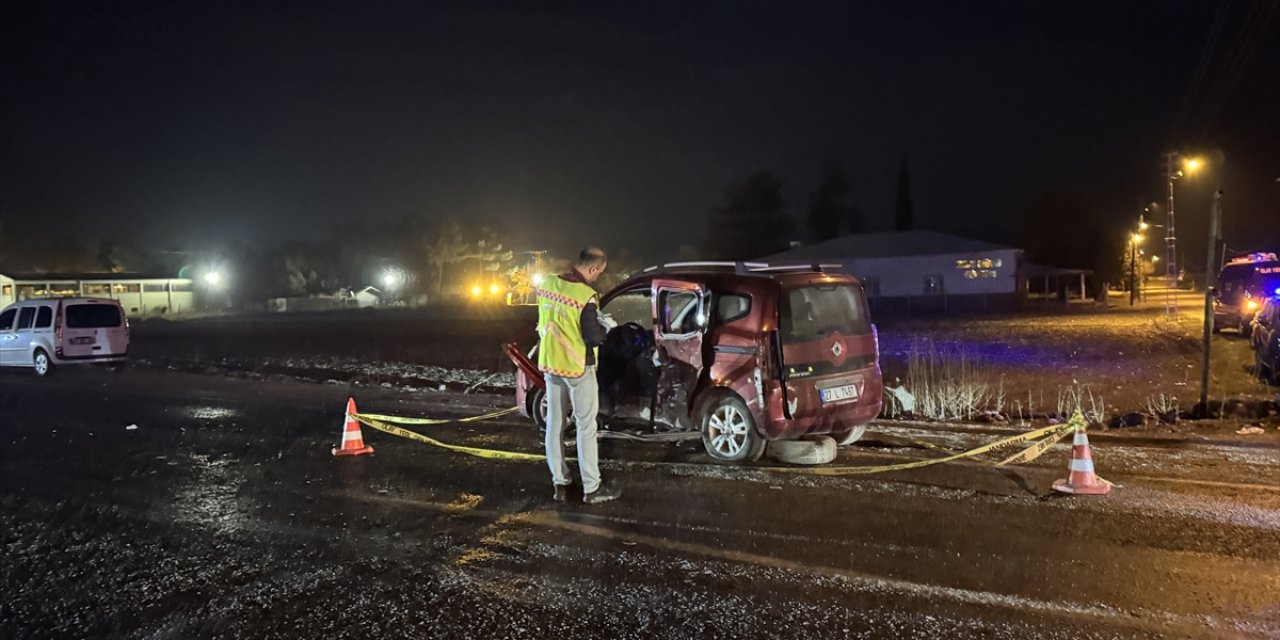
(1050, 434)
(1043, 439)
(433, 421)
(492, 454)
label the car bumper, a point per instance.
(836, 418)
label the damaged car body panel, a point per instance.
(730, 353)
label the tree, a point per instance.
(752, 222)
(903, 213)
(827, 209)
(1063, 228)
(452, 243)
(622, 265)
(119, 257)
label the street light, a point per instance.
(1189, 166)
(213, 278)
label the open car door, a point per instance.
(679, 322)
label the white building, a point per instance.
(922, 270)
(139, 295)
(8, 295)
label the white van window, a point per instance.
(26, 317)
(92, 316)
(6, 319)
(44, 318)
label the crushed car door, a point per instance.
(679, 320)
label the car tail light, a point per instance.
(57, 322)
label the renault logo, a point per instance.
(836, 349)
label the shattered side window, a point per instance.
(632, 306)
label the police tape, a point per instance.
(1042, 440)
(433, 421)
(479, 452)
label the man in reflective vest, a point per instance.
(571, 328)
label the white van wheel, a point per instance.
(808, 451)
(851, 436)
(42, 364)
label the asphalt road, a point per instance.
(223, 514)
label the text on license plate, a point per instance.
(82, 341)
(836, 394)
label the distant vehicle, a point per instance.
(48, 332)
(1243, 285)
(736, 354)
(1265, 339)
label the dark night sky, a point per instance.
(181, 123)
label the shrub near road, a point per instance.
(1126, 361)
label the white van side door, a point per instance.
(22, 329)
(8, 339)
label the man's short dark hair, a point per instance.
(592, 256)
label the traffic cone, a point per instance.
(352, 440)
(1081, 479)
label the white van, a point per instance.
(46, 332)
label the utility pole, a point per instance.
(1215, 214)
(1171, 173)
(1133, 265)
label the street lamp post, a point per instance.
(1171, 173)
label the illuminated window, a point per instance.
(96, 289)
(978, 264)
(975, 274)
(126, 288)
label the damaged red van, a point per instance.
(737, 354)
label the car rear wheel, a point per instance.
(538, 411)
(538, 407)
(849, 437)
(41, 362)
(729, 432)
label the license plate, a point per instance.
(837, 394)
(82, 341)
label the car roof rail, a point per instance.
(820, 267)
(737, 266)
(743, 267)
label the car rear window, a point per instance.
(812, 312)
(92, 316)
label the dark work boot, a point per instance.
(562, 492)
(601, 494)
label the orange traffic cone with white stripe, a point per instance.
(1081, 480)
(352, 440)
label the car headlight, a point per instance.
(1251, 305)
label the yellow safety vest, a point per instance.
(562, 351)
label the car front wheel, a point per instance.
(41, 362)
(729, 432)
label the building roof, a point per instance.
(918, 242)
(88, 277)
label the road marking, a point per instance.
(1162, 622)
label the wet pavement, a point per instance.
(223, 514)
